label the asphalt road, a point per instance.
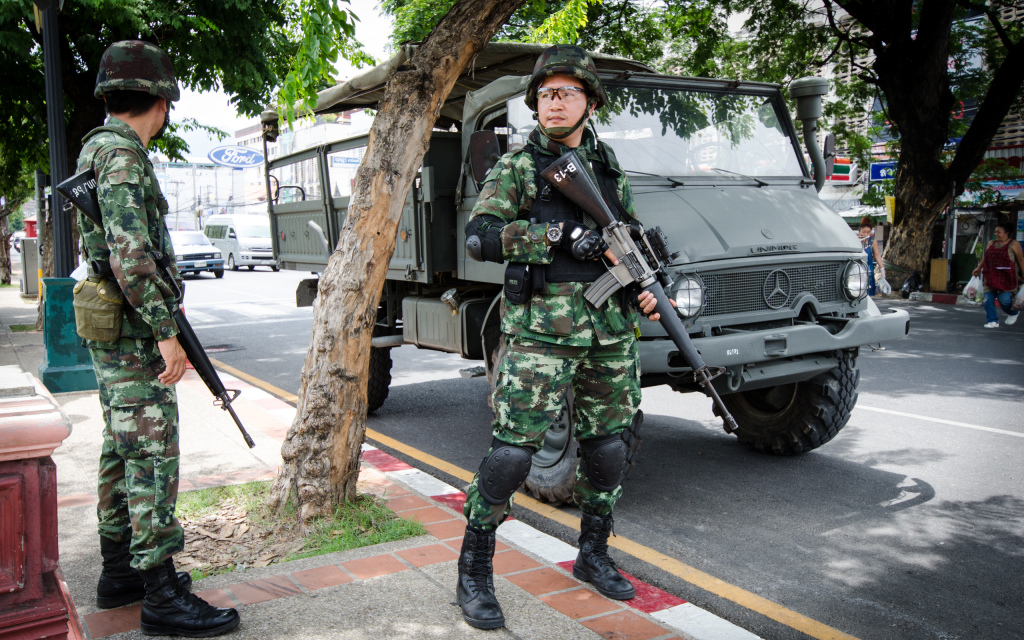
(909, 524)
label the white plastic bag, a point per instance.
(1018, 300)
(974, 289)
(881, 283)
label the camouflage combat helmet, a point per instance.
(569, 60)
(134, 65)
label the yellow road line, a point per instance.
(256, 382)
(681, 570)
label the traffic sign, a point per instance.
(882, 171)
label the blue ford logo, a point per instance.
(235, 156)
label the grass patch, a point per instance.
(21, 328)
(230, 528)
(4, 285)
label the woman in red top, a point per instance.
(999, 266)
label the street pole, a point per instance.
(63, 251)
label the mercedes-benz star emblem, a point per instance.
(767, 233)
(776, 289)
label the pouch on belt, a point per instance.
(99, 309)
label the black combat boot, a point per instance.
(119, 583)
(476, 581)
(169, 610)
(594, 565)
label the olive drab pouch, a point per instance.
(99, 309)
(518, 282)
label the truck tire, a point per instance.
(796, 418)
(379, 381)
(553, 473)
(231, 262)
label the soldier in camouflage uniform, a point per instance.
(556, 339)
(138, 471)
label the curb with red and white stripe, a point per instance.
(692, 621)
(943, 298)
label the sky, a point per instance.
(213, 108)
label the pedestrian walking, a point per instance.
(557, 341)
(129, 330)
(999, 268)
(866, 234)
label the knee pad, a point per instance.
(504, 471)
(605, 461)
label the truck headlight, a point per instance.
(216, 254)
(689, 296)
(855, 280)
(178, 257)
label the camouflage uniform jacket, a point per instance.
(133, 210)
(559, 314)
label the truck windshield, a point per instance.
(671, 132)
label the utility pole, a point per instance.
(63, 251)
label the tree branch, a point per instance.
(992, 18)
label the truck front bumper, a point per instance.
(776, 356)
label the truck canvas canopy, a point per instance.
(498, 59)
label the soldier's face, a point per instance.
(555, 111)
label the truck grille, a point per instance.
(746, 291)
(197, 256)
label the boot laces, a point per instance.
(599, 544)
(480, 570)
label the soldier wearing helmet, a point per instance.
(556, 339)
(135, 353)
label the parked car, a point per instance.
(244, 239)
(195, 254)
(16, 238)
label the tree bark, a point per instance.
(5, 250)
(321, 450)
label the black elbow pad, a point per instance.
(483, 239)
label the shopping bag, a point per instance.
(974, 289)
(881, 283)
(1018, 300)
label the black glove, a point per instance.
(632, 294)
(581, 242)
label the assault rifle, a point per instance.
(568, 175)
(80, 191)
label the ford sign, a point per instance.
(237, 157)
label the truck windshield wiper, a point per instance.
(760, 182)
(675, 183)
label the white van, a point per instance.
(244, 240)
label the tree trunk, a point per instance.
(5, 250)
(321, 450)
(45, 231)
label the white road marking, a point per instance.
(952, 423)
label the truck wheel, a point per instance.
(553, 473)
(795, 418)
(218, 273)
(379, 382)
(231, 262)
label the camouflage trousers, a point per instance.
(138, 475)
(529, 393)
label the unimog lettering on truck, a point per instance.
(770, 283)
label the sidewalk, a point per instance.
(403, 589)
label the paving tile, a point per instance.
(375, 566)
(263, 590)
(426, 516)
(454, 501)
(384, 461)
(321, 577)
(75, 500)
(624, 625)
(429, 554)
(395, 491)
(217, 597)
(541, 581)
(650, 598)
(511, 561)
(405, 503)
(111, 621)
(448, 529)
(580, 603)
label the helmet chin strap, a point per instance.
(560, 133)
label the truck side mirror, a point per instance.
(808, 92)
(829, 152)
(231, 234)
(484, 153)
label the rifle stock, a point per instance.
(568, 176)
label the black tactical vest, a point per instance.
(553, 207)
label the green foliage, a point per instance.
(976, 192)
(17, 220)
(245, 47)
(565, 24)
(327, 31)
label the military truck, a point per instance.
(770, 282)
